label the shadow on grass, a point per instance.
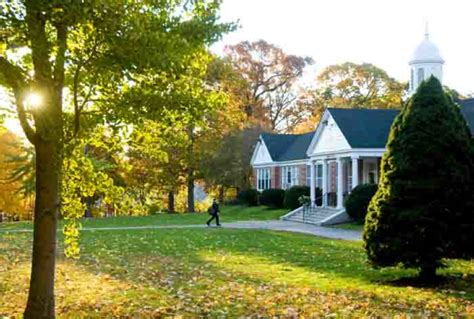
(340, 264)
(196, 267)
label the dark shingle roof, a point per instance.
(467, 109)
(287, 147)
(364, 128)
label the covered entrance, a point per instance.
(337, 176)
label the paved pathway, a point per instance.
(328, 232)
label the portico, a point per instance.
(337, 174)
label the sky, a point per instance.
(381, 32)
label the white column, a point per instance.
(339, 183)
(355, 171)
(325, 183)
(311, 184)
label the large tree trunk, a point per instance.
(48, 170)
(171, 202)
(191, 208)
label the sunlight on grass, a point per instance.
(300, 279)
(227, 273)
(82, 293)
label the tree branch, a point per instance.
(60, 59)
(15, 78)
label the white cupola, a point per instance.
(425, 61)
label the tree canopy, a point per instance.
(364, 85)
(269, 82)
(65, 62)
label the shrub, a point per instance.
(304, 200)
(248, 197)
(293, 194)
(273, 197)
(358, 201)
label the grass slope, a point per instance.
(212, 272)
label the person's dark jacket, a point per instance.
(215, 208)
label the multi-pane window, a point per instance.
(263, 179)
(319, 176)
(289, 176)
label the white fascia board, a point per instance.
(358, 152)
(255, 150)
(281, 164)
(260, 143)
(316, 135)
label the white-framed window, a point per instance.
(289, 176)
(264, 180)
(319, 176)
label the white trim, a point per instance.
(358, 152)
(260, 143)
(294, 176)
(317, 133)
(281, 164)
(264, 174)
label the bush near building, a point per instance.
(249, 197)
(293, 194)
(358, 201)
(273, 198)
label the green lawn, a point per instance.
(228, 214)
(213, 272)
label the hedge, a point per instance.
(273, 197)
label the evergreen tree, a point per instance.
(421, 212)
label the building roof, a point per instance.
(287, 147)
(467, 109)
(364, 128)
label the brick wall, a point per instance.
(276, 177)
(302, 174)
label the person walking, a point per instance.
(214, 211)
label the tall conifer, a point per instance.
(420, 213)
